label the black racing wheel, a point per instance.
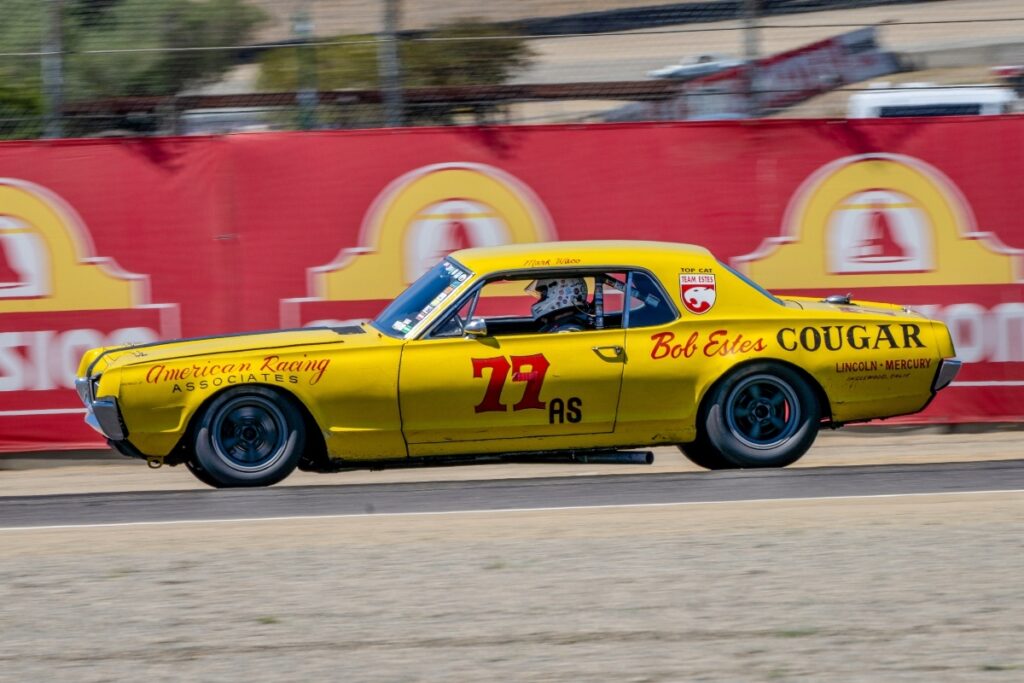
(762, 415)
(248, 436)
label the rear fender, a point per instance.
(819, 391)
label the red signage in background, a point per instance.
(893, 228)
(415, 221)
(58, 298)
(107, 241)
(789, 77)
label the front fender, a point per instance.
(351, 394)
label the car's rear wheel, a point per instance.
(701, 453)
(762, 415)
(248, 436)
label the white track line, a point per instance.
(369, 515)
(42, 411)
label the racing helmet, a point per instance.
(557, 294)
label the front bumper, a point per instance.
(102, 414)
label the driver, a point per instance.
(561, 305)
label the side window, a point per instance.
(561, 302)
(504, 298)
(647, 304)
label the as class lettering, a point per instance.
(569, 410)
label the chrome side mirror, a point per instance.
(477, 327)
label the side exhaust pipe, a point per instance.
(616, 458)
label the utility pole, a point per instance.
(751, 13)
(390, 66)
(53, 71)
(306, 98)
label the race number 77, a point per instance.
(528, 369)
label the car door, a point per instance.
(510, 384)
(659, 384)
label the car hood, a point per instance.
(808, 303)
(102, 359)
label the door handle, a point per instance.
(604, 351)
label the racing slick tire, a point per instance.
(703, 454)
(762, 415)
(248, 436)
(200, 474)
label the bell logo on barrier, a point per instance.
(880, 231)
(447, 226)
(24, 263)
(880, 220)
(416, 221)
(892, 221)
(58, 298)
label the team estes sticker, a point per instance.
(697, 292)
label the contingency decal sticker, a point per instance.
(697, 291)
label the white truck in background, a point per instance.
(927, 99)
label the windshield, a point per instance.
(421, 298)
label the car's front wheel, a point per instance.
(199, 473)
(762, 415)
(248, 436)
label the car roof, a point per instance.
(579, 254)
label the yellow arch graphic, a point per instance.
(75, 278)
(375, 269)
(963, 256)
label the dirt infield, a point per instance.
(919, 588)
(40, 474)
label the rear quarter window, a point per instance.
(648, 305)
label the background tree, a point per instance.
(148, 47)
(121, 48)
(21, 111)
(465, 53)
(21, 33)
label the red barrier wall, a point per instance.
(110, 240)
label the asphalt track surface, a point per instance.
(507, 494)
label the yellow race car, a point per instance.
(546, 349)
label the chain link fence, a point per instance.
(142, 67)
